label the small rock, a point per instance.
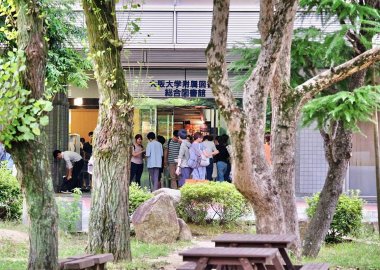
(155, 221)
(175, 194)
(184, 231)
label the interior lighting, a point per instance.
(78, 101)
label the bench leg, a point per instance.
(246, 264)
(286, 259)
(277, 263)
(202, 263)
(260, 266)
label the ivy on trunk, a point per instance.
(109, 220)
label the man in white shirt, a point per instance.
(74, 165)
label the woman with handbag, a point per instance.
(199, 172)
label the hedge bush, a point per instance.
(223, 198)
(10, 195)
(347, 219)
(137, 195)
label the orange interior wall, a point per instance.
(82, 121)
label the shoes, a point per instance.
(65, 192)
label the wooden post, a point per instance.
(377, 165)
(377, 157)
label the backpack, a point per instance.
(195, 157)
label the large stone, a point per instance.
(184, 231)
(175, 194)
(155, 221)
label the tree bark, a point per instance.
(338, 148)
(252, 174)
(36, 183)
(109, 220)
(269, 189)
(30, 157)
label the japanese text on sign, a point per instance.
(184, 89)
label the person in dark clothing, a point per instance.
(222, 159)
(87, 147)
(74, 165)
(162, 140)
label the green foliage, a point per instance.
(347, 219)
(348, 107)
(65, 65)
(356, 16)
(69, 212)
(21, 118)
(10, 195)
(137, 195)
(305, 65)
(223, 198)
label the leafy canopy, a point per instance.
(347, 107)
(21, 118)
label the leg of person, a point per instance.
(150, 170)
(140, 169)
(227, 173)
(77, 168)
(221, 167)
(195, 174)
(133, 173)
(202, 173)
(155, 176)
(209, 169)
(65, 185)
(173, 176)
(185, 172)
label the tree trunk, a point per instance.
(36, 183)
(338, 148)
(33, 169)
(109, 220)
(270, 190)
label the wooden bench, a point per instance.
(279, 241)
(309, 266)
(86, 261)
(245, 258)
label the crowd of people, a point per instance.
(184, 156)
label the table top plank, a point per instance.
(230, 252)
(279, 239)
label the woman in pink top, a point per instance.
(137, 163)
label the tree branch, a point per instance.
(217, 67)
(329, 77)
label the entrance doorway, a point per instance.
(193, 119)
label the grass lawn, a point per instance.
(14, 255)
(361, 254)
(351, 255)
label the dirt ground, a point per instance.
(174, 260)
(14, 236)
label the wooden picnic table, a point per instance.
(246, 258)
(278, 241)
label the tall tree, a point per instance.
(270, 188)
(109, 220)
(360, 22)
(23, 87)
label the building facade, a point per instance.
(166, 60)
